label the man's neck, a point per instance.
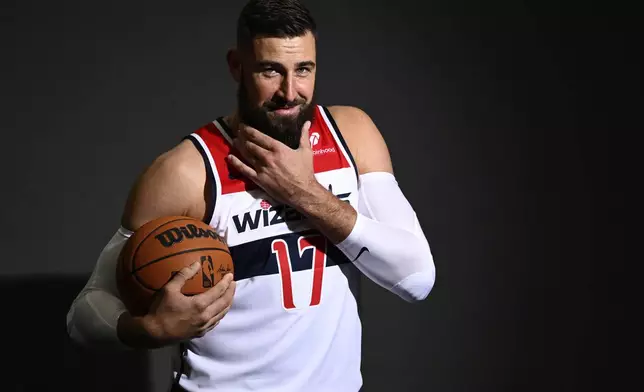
(232, 122)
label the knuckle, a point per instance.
(196, 306)
(216, 307)
(220, 308)
(221, 286)
(201, 304)
(223, 294)
(203, 318)
(214, 293)
(183, 272)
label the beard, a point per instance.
(286, 129)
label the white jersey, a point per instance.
(294, 323)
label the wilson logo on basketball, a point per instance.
(177, 234)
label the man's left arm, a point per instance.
(383, 237)
(386, 242)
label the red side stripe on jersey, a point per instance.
(327, 155)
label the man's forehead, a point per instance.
(297, 49)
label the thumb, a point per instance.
(305, 142)
(181, 277)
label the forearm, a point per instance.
(137, 332)
(98, 320)
(387, 243)
(92, 318)
(95, 317)
(333, 217)
(397, 259)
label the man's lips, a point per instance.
(284, 111)
(287, 111)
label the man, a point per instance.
(306, 199)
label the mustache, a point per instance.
(280, 103)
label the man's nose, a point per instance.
(287, 88)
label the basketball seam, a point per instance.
(166, 257)
(176, 254)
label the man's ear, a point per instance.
(234, 64)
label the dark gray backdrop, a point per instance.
(499, 120)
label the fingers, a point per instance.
(205, 299)
(256, 137)
(223, 302)
(181, 277)
(202, 332)
(305, 141)
(241, 167)
(214, 321)
(251, 152)
(216, 311)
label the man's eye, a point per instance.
(303, 71)
(269, 72)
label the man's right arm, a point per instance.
(172, 185)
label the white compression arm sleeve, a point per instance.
(93, 316)
(397, 255)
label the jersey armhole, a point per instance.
(210, 191)
(336, 130)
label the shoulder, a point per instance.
(172, 184)
(363, 138)
(352, 118)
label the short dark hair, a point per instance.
(273, 18)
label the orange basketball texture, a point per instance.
(162, 247)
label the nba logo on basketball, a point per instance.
(207, 271)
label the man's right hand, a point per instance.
(175, 317)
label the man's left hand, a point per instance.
(284, 173)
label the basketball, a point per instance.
(162, 247)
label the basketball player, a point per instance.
(306, 199)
